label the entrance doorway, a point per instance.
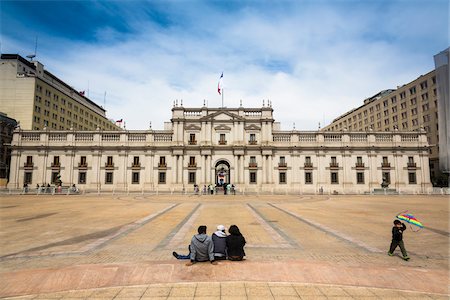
(222, 173)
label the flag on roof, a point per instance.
(220, 85)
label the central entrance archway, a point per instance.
(222, 173)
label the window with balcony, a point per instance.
(222, 139)
(192, 163)
(56, 162)
(109, 161)
(308, 163)
(162, 162)
(192, 140)
(282, 162)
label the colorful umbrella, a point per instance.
(409, 218)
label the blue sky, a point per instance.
(313, 59)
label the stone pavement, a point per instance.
(299, 247)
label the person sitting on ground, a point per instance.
(235, 244)
(219, 239)
(201, 248)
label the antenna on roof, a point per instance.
(31, 56)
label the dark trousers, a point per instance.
(394, 245)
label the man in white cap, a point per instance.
(220, 244)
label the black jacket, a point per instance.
(235, 245)
(397, 233)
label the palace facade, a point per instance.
(241, 146)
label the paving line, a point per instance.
(96, 244)
(175, 238)
(330, 231)
(282, 240)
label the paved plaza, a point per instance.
(298, 247)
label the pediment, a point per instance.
(222, 116)
(222, 127)
(192, 127)
(252, 127)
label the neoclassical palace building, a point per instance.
(241, 146)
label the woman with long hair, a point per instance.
(235, 244)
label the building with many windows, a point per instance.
(240, 146)
(411, 107)
(38, 99)
(7, 127)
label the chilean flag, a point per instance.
(220, 85)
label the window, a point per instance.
(282, 160)
(192, 138)
(410, 159)
(404, 115)
(253, 159)
(412, 178)
(162, 177)
(423, 85)
(387, 177)
(385, 103)
(395, 118)
(414, 111)
(334, 178)
(359, 160)
(252, 177)
(109, 177)
(162, 160)
(425, 97)
(222, 140)
(402, 95)
(135, 177)
(282, 177)
(28, 176)
(82, 178)
(308, 160)
(412, 90)
(403, 105)
(83, 160)
(394, 109)
(191, 177)
(415, 122)
(56, 160)
(252, 137)
(333, 160)
(386, 113)
(109, 161)
(136, 161)
(385, 160)
(55, 177)
(377, 107)
(425, 107)
(308, 178)
(360, 177)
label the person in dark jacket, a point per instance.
(397, 239)
(235, 244)
(220, 243)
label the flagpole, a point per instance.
(222, 96)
